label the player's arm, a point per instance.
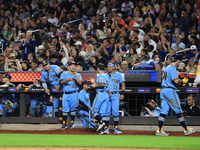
(77, 80)
(98, 85)
(123, 87)
(44, 84)
(62, 81)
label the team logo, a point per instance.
(101, 79)
(57, 70)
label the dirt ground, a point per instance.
(85, 131)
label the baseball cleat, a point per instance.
(161, 133)
(105, 131)
(116, 131)
(101, 126)
(71, 125)
(189, 131)
(64, 126)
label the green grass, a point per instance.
(123, 141)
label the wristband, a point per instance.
(198, 73)
(122, 92)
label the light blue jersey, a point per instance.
(168, 76)
(102, 78)
(114, 81)
(52, 75)
(70, 85)
(84, 97)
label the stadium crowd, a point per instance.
(133, 35)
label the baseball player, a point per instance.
(115, 79)
(84, 96)
(71, 81)
(7, 98)
(50, 78)
(101, 100)
(169, 97)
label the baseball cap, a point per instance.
(136, 25)
(78, 43)
(131, 15)
(71, 63)
(86, 82)
(181, 65)
(7, 76)
(41, 47)
(2, 54)
(79, 63)
(45, 62)
(111, 64)
(61, 34)
(174, 58)
(193, 48)
(85, 17)
(119, 14)
(102, 2)
(114, 10)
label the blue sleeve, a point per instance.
(81, 96)
(31, 45)
(63, 76)
(43, 76)
(56, 69)
(173, 74)
(79, 76)
(121, 77)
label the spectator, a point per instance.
(181, 67)
(2, 61)
(100, 58)
(34, 66)
(127, 7)
(27, 45)
(191, 108)
(131, 55)
(189, 67)
(150, 109)
(124, 66)
(25, 65)
(54, 60)
(102, 8)
(178, 45)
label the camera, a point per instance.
(145, 105)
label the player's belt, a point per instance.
(70, 92)
(114, 92)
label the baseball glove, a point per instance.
(9, 106)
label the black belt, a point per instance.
(114, 92)
(101, 91)
(70, 92)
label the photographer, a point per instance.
(150, 109)
(191, 108)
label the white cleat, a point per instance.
(189, 131)
(161, 133)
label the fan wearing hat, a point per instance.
(102, 8)
(71, 81)
(50, 78)
(169, 97)
(193, 52)
(118, 20)
(131, 22)
(11, 97)
(84, 97)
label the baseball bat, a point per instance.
(193, 62)
(86, 119)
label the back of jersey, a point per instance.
(168, 76)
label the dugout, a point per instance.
(140, 86)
